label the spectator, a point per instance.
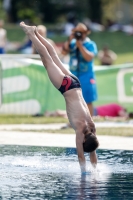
(112, 110)
(128, 29)
(94, 27)
(68, 28)
(70, 23)
(56, 113)
(42, 30)
(25, 47)
(106, 56)
(108, 110)
(3, 37)
(7, 8)
(82, 51)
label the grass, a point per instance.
(22, 119)
(126, 132)
(119, 42)
(14, 33)
(28, 119)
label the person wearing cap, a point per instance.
(82, 51)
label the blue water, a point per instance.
(38, 173)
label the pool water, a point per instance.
(49, 173)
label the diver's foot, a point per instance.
(28, 29)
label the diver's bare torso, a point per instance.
(77, 110)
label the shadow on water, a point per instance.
(54, 174)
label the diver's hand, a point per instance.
(93, 158)
(94, 165)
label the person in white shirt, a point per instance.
(106, 56)
(3, 37)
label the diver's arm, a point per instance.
(93, 158)
(80, 152)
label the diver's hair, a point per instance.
(91, 143)
(130, 115)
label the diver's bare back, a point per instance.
(77, 109)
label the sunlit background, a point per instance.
(38, 158)
(23, 77)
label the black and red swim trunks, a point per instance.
(69, 82)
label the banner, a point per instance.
(0, 85)
(26, 88)
(115, 84)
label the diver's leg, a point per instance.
(54, 72)
(53, 54)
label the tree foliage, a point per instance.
(2, 12)
(96, 11)
(50, 11)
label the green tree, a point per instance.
(2, 12)
(52, 9)
(25, 10)
(95, 10)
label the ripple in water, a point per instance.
(53, 173)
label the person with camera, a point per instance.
(82, 51)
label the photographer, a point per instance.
(82, 51)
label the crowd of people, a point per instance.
(105, 56)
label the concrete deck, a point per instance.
(28, 127)
(8, 136)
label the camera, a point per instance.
(78, 35)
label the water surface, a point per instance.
(38, 173)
